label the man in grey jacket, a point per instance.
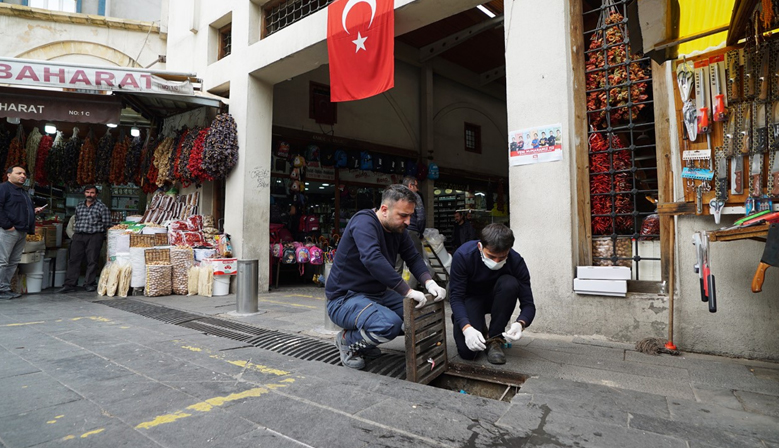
(416, 227)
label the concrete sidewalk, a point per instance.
(75, 372)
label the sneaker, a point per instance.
(66, 289)
(90, 288)
(348, 357)
(6, 295)
(370, 353)
(495, 352)
(15, 295)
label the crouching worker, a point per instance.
(364, 292)
(488, 277)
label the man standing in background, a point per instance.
(92, 221)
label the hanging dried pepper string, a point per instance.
(162, 161)
(16, 155)
(195, 166)
(118, 159)
(103, 158)
(133, 159)
(53, 162)
(604, 181)
(86, 160)
(220, 149)
(69, 166)
(31, 149)
(40, 160)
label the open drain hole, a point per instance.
(480, 381)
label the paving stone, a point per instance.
(34, 391)
(51, 423)
(13, 365)
(594, 402)
(544, 426)
(214, 428)
(638, 383)
(144, 401)
(263, 437)
(205, 390)
(83, 369)
(716, 396)
(648, 370)
(736, 376)
(696, 434)
(113, 389)
(334, 395)
(723, 419)
(759, 403)
(114, 435)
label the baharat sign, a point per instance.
(54, 106)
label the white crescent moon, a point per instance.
(350, 4)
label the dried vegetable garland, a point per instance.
(181, 169)
(103, 160)
(31, 149)
(16, 154)
(174, 161)
(220, 150)
(5, 140)
(69, 170)
(162, 161)
(118, 159)
(86, 161)
(616, 93)
(146, 167)
(133, 160)
(195, 166)
(40, 160)
(53, 164)
(602, 183)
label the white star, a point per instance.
(359, 43)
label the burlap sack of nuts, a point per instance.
(193, 277)
(158, 280)
(182, 259)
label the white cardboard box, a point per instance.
(600, 287)
(603, 272)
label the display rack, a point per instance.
(444, 207)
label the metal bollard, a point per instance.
(246, 288)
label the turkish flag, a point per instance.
(361, 48)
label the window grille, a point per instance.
(622, 155)
(225, 41)
(285, 13)
(473, 138)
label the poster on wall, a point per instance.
(536, 145)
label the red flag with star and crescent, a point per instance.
(361, 48)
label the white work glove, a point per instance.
(474, 339)
(436, 291)
(514, 333)
(418, 296)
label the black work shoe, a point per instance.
(371, 353)
(90, 288)
(66, 289)
(495, 353)
(349, 357)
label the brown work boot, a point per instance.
(495, 352)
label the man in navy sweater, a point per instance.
(487, 277)
(364, 292)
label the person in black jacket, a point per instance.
(364, 293)
(17, 220)
(488, 277)
(463, 231)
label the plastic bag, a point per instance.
(205, 284)
(125, 276)
(113, 280)
(103, 280)
(193, 278)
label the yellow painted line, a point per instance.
(194, 349)
(124, 327)
(305, 296)
(51, 421)
(289, 304)
(24, 323)
(162, 419)
(60, 416)
(70, 437)
(211, 403)
(91, 433)
(94, 318)
(259, 368)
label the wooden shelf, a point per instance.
(758, 233)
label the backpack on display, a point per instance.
(298, 162)
(366, 161)
(283, 150)
(400, 166)
(294, 174)
(432, 171)
(316, 254)
(309, 223)
(327, 157)
(295, 186)
(312, 153)
(421, 172)
(275, 214)
(288, 254)
(302, 255)
(275, 233)
(353, 160)
(411, 168)
(380, 163)
(341, 158)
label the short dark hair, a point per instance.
(90, 187)
(11, 169)
(497, 237)
(408, 180)
(397, 192)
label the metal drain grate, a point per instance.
(164, 314)
(300, 347)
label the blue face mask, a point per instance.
(491, 264)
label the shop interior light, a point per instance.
(111, 125)
(306, 183)
(13, 120)
(135, 132)
(321, 188)
(50, 128)
(486, 11)
(325, 185)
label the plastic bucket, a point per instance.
(34, 283)
(221, 285)
(46, 273)
(62, 260)
(59, 278)
(32, 268)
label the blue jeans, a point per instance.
(368, 319)
(11, 248)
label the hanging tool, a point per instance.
(716, 75)
(684, 78)
(702, 96)
(770, 258)
(757, 175)
(718, 202)
(774, 175)
(696, 241)
(708, 278)
(737, 175)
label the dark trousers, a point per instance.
(500, 305)
(84, 245)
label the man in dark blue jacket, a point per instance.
(488, 277)
(364, 292)
(17, 220)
